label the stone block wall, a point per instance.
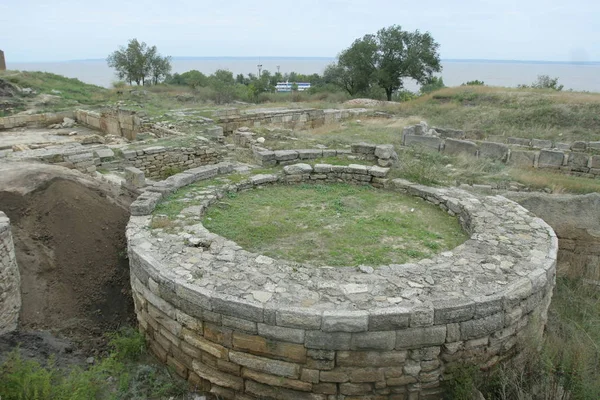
(294, 119)
(35, 119)
(571, 162)
(384, 154)
(158, 160)
(228, 333)
(116, 122)
(10, 281)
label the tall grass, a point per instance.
(566, 368)
(118, 376)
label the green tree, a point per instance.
(138, 62)
(223, 83)
(194, 78)
(432, 84)
(385, 59)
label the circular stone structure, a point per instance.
(246, 326)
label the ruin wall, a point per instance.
(159, 161)
(390, 332)
(10, 281)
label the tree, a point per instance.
(545, 82)
(385, 59)
(432, 84)
(138, 62)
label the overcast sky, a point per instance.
(55, 30)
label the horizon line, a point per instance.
(191, 58)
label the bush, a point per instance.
(544, 82)
(474, 83)
(434, 83)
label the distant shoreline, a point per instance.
(213, 58)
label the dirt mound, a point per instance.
(71, 251)
(368, 102)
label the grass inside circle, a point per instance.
(334, 224)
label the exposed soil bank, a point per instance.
(71, 251)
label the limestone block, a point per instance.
(419, 337)
(357, 169)
(297, 169)
(427, 142)
(363, 148)
(328, 340)
(282, 333)
(342, 321)
(477, 328)
(494, 151)
(267, 365)
(594, 145)
(562, 146)
(373, 340)
(518, 141)
(322, 168)
(595, 162)
(263, 178)
(385, 151)
(522, 158)
(378, 171)
(129, 154)
(389, 319)
(155, 150)
(104, 154)
(286, 155)
(579, 146)
(550, 159)
(454, 146)
(541, 143)
(578, 161)
(134, 177)
(308, 154)
(214, 131)
(218, 377)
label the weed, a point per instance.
(119, 376)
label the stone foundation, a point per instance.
(246, 326)
(159, 161)
(292, 119)
(10, 281)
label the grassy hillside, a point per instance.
(531, 113)
(45, 82)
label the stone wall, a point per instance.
(384, 155)
(116, 122)
(246, 326)
(10, 281)
(574, 163)
(35, 119)
(576, 221)
(157, 161)
(293, 119)
(72, 155)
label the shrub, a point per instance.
(474, 83)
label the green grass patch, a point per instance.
(70, 89)
(334, 224)
(126, 373)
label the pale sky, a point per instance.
(57, 30)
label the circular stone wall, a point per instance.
(246, 326)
